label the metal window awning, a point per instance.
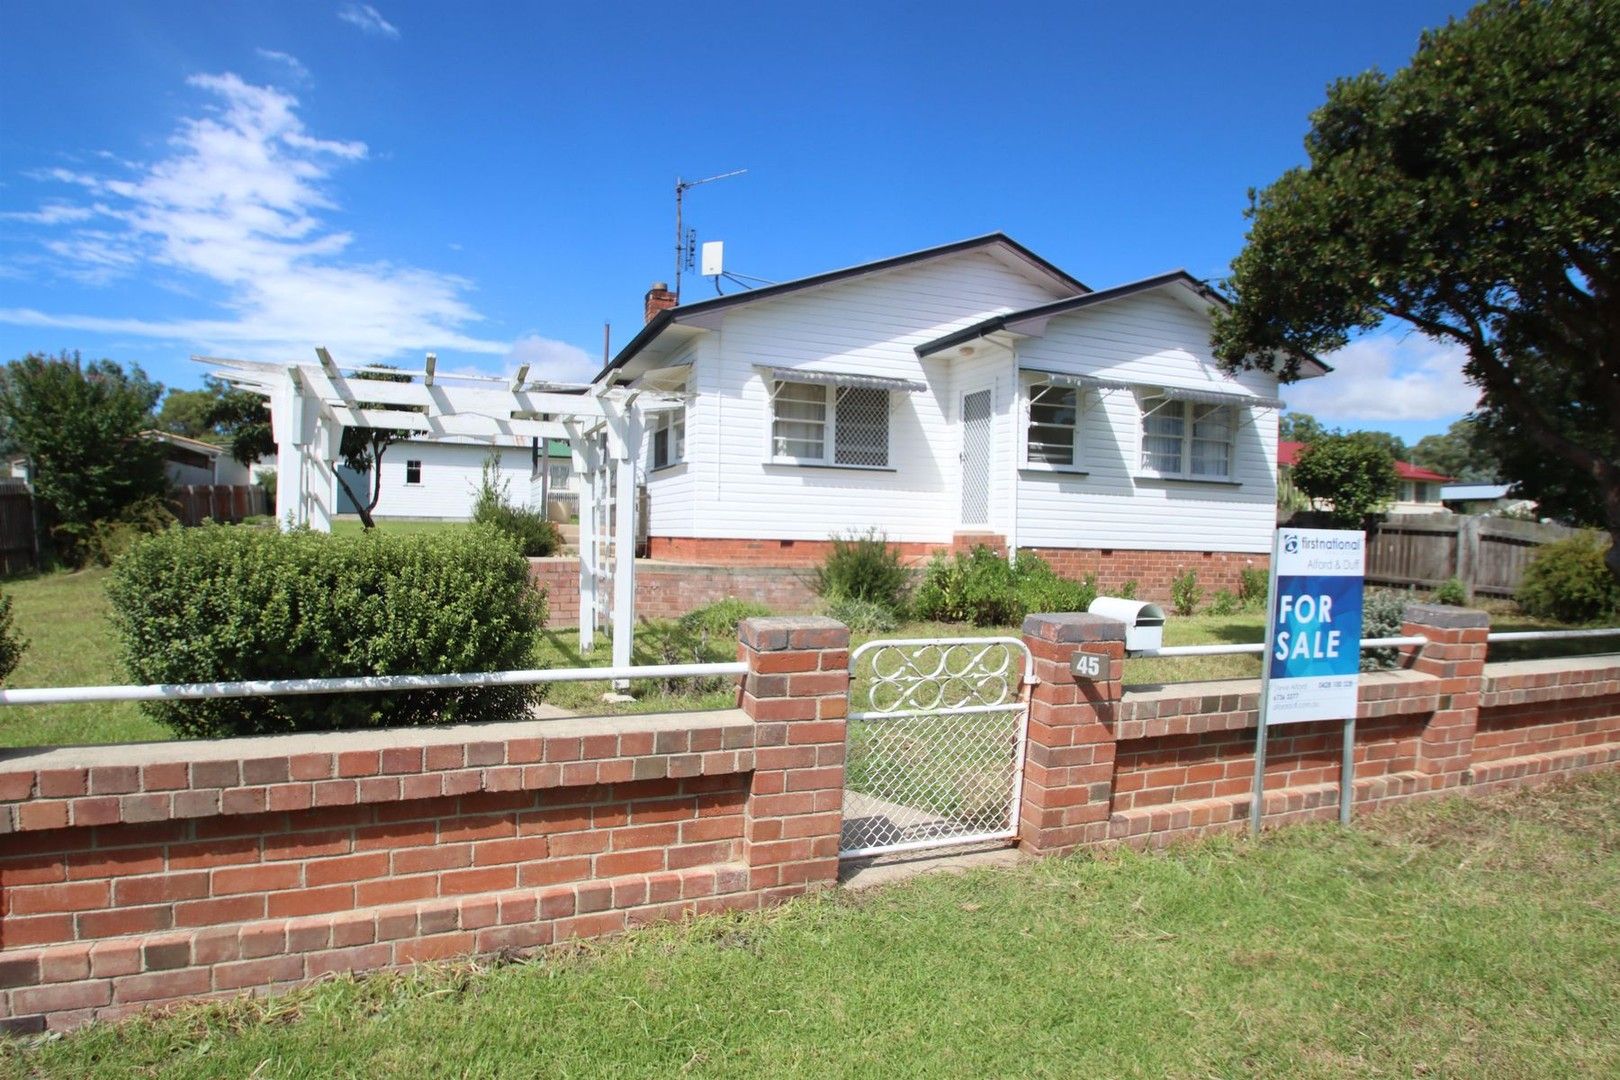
(1173, 393)
(845, 379)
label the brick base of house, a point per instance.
(686, 573)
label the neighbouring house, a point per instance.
(1418, 491)
(967, 393)
(1485, 499)
(192, 461)
(438, 479)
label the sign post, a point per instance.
(1312, 664)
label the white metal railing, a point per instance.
(359, 684)
(1260, 647)
(1552, 635)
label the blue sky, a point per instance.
(492, 181)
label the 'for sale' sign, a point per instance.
(1315, 631)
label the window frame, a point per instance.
(1188, 438)
(410, 465)
(828, 458)
(1028, 384)
(669, 429)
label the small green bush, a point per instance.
(983, 588)
(535, 536)
(1128, 590)
(863, 616)
(1452, 593)
(1223, 603)
(1569, 582)
(218, 603)
(101, 543)
(1381, 616)
(1185, 593)
(863, 566)
(1254, 582)
(12, 644)
(720, 619)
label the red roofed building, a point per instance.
(1419, 491)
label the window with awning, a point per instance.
(832, 418)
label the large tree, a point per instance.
(1349, 477)
(79, 424)
(1475, 195)
(1459, 452)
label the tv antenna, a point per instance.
(685, 239)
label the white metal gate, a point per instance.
(936, 743)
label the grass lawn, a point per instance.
(1464, 937)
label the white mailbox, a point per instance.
(1144, 622)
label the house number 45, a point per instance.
(1086, 665)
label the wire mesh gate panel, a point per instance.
(936, 743)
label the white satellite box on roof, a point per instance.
(713, 262)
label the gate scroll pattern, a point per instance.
(936, 743)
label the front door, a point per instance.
(977, 423)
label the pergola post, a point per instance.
(286, 426)
(628, 451)
(585, 462)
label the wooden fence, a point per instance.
(194, 504)
(1487, 554)
(19, 542)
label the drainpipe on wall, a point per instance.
(1012, 493)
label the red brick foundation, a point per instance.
(1153, 570)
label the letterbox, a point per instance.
(1144, 622)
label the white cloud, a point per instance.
(553, 361)
(237, 205)
(368, 19)
(51, 213)
(293, 64)
(1386, 377)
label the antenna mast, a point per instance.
(684, 244)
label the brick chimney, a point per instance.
(659, 298)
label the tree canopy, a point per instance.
(1459, 452)
(1475, 195)
(79, 423)
(1350, 477)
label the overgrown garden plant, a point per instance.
(221, 603)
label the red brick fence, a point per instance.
(144, 874)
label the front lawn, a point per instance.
(1461, 937)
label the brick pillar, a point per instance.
(797, 692)
(1455, 655)
(1069, 759)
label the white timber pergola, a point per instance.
(312, 402)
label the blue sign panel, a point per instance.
(1315, 633)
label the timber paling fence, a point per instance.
(19, 543)
(1487, 554)
(194, 504)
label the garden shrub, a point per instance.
(1569, 582)
(535, 536)
(1381, 616)
(219, 603)
(1185, 593)
(720, 618)
(863, 616)
(101, 543)
(1254, 582)
(12, 644)
(983, 588)
(1128, 590)
(1452, 593)
(1223, 603)
(863, 566)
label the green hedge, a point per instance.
(221, 603)
(1569, 581)
(985, 589)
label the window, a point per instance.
(669, 438)
(562, 475)
(1187, 439)
(1053, 434)
(413, 472)
(813, 424)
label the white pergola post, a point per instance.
(286, 427)
(585, 463)
(624, 443)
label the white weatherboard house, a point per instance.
(439, 478)
(964, 393)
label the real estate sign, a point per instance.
(1313, 636)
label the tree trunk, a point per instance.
(359, 508)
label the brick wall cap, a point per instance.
(1073, 626)
(771, 633)
(1445, 617)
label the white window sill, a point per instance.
(781, 463)
(674, 468)
(1063, 470)
(1173, 478)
